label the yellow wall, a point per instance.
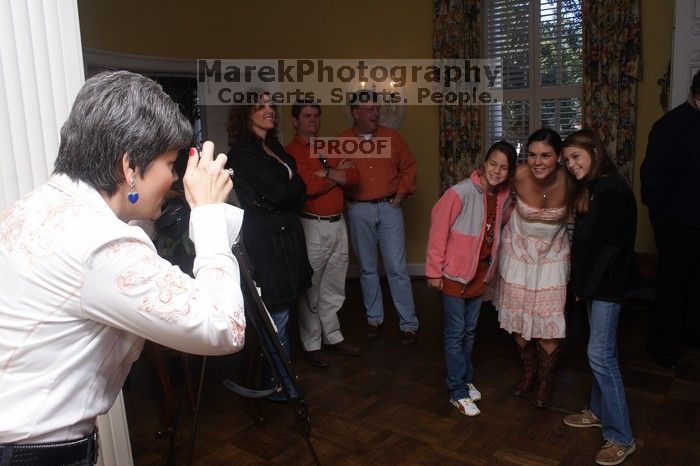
(279, 29)
(332, 29)
(657, 35)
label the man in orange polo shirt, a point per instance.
(375, 216)
(326, 238)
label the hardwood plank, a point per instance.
(390, 406)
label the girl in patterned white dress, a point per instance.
(533, 269)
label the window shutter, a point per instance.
(560, 42)
(542, 67)
(510, 121)
(508, 37)
(563, 115)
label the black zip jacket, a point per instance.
(604, 265)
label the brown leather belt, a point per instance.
(82, 451)
(331, 218)
(374, 201)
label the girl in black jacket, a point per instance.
(603, 270)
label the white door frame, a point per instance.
(686, 48)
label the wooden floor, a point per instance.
(390, 405)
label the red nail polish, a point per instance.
(192, 151)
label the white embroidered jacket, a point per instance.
(79, 292)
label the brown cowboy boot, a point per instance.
(545, 376)
(528, 354)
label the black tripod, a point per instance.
(286, 382)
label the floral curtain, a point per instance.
(457, 34)
(612, 57)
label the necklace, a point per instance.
(490, 220)
(545, 193)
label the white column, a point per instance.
(115, 446)
(41, 71)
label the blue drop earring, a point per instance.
(132, 195)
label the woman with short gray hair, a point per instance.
(81, 289)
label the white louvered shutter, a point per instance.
(540, 42)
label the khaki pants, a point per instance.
(327, 246)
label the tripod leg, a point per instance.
(172, 447)
(284, 377)
(186, 363)
(195, 419)
(303, 423)
(154, 353)
(253, 377)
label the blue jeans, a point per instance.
(381, 224)
(461, 316)
(280, 316)
(608, 401)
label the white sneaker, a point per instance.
(466, 406)
(474, 394)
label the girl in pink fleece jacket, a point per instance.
(463, 243)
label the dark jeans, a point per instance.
(677, 307)
(461, 316)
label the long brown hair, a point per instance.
(601, 163)
(238, 125)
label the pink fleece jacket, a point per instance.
(458, 226)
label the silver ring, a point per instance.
(230, 172)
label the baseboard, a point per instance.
(415, 269)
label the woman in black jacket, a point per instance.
(603, 270)
(271, 193)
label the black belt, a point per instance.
(332, 218)
(83, 451)
(374, 201)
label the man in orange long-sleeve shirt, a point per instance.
(326, 238)
(375, 215)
